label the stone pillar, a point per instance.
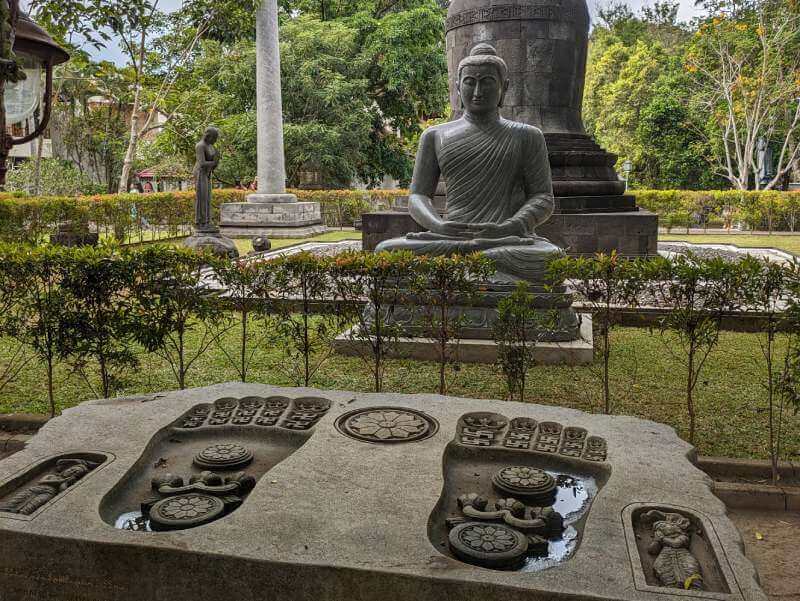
(269, 109)
(270, 212)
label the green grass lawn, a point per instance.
(790, 244)
(245, 245)
(647, 382)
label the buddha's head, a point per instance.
(482, 80)
(211, 135)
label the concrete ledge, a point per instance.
(578, 352)
(727, 467)
(739, 495)
(22, 422)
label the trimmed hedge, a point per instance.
(757, 210)
(140, 217)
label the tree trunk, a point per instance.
(243, 349)
(689, 395)
(50, 394)
(133, 142)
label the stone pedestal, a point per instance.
(211, 239)
(346, 495)
(273, 219)
(630, 233)
(579, 351)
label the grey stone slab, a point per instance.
(340, 518)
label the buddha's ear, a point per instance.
(503, 95)
(460, 98)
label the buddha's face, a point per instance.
(481, 88)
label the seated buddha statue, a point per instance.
(497, 175)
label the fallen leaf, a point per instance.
(759, 536)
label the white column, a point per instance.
(269, 107)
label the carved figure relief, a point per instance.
(30, 498)
(387, 425)
(487, 430)
(675, 566)
(674, 547)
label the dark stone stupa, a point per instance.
(545, 43)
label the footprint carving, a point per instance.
(516, 491)
(203, 466)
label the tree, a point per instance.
(605, 283)
(635, 100)
(249, 293)
(307, 322)
(768, 290)
(354, 84)
(172, 300)
(133, 23)
(698, 292)
(440, 287)
(97, 312)
(56, 178)
(376, 278)
(36, 318)
(519, 328)
(745, 58)
(89, 121)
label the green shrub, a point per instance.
(138, 217)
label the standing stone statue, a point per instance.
(498, 180)
(207, 159)
(206, 234)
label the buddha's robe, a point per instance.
(496, 172)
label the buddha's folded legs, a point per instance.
(526, 261)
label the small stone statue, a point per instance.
(498, 180)
(675, 566)
(27, 501)
(207, 160)
(207, 236)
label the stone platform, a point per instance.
(632, 233)
(474, 350)
(272, 219)
(332, 496)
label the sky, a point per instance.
(686, 13)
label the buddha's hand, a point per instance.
(496, 230)
(455, 229)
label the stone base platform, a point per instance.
(334, 495)
(575, 352)
(630, 233)
(271, 219)
(275, 232)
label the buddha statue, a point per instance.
(497, 175)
